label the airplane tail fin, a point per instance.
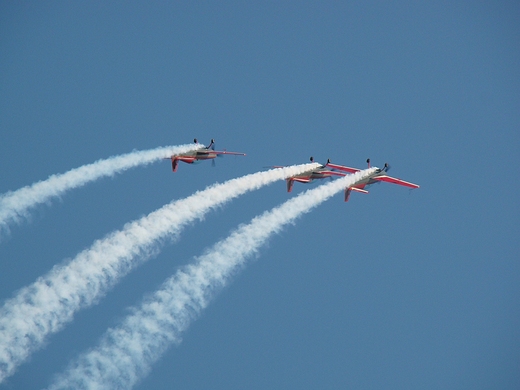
(347, 194)
(212, 145)
(290, 183)
(175, 163)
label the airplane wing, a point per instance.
(217, 152)
(393, 180)
(234, 153)
(342, 168)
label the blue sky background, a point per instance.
(394, 290)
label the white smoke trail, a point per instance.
(48, 304)
(125, 353)
(14, 205)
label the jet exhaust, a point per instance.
(46, 306)
(15, 205)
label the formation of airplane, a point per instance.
(321, 172)
(207, 153)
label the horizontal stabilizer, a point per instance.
(302, 179)
(332, 173)
(350, 189)
(359, 190)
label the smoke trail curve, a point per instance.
(125, 353)
(44, 307)
(14, 205)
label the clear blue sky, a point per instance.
(392, 290)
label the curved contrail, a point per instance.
(125, 353)
(15, 205)
(43, 308)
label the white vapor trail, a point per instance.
(125, 353)
(44, 307)
(14, 205)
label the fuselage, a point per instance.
(200, 153)
(193, 155)
(317, 173)
(370, 178)
(320, 172)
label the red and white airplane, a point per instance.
(207, 153)
(320, 172)
(378, 176)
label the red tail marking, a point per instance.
(290, 183)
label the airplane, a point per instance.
(378, 176)
(195, 155)
(320, 172)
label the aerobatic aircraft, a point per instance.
(207, 153)
(320, 172)
(378, 176)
